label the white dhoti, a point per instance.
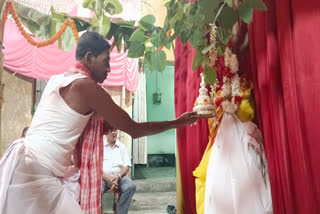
(28, 187)
(237, 175)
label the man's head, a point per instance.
(111, 132)
(93, 51)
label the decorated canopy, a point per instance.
(42, 63)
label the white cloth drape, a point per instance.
(237, 175)
(140, 115)
(28, 187)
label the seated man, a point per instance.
(116, 164)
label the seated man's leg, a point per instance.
(127, 189)
(104, 189)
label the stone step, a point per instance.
(156, 185)
(152, 201)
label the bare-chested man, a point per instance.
(34, 174)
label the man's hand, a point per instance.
(188, 118)
(109, 180)
(115, 180)
(115, 184)
(114, 188)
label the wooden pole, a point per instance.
(2, 4)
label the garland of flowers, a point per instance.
(227, 88)
(11, 8)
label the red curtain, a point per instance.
(191, 140)
(285, 61)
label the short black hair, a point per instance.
(93, 42)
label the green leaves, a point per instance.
(156, 60)
(68, 39)
(90, 4)
(229, 2)
(57, 17)
(112, 7)
(95, 21)
(196, 39)
(104, 25)
(138, 36)
(137, 44)
(208, 9)
(197, 60)
(147, 22)
(228, 17)
(245, 13)
(210, 75)
(177, 15)
(99, 7)
(207, 49)
(159, 39)
(159, 60)
(136, 50)
(190, 21)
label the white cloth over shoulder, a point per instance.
(237, 175)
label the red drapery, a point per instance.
(191, 140)
(284, 49)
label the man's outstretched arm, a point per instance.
(98, 100)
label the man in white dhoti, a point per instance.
(36, 174)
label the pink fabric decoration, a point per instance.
(41, 63)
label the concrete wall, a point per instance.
(163, 143)
(17, 107)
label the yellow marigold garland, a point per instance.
(10, 8)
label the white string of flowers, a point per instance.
(231, 86)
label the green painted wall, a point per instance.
(164, 143)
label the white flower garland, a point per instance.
(213, 52)
(229, 107)
(231, 86)
(235, 85)
(226, 90)
(234, 65)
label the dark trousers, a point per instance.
(127, 188)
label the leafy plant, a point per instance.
(188, 21)
(191, 22)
